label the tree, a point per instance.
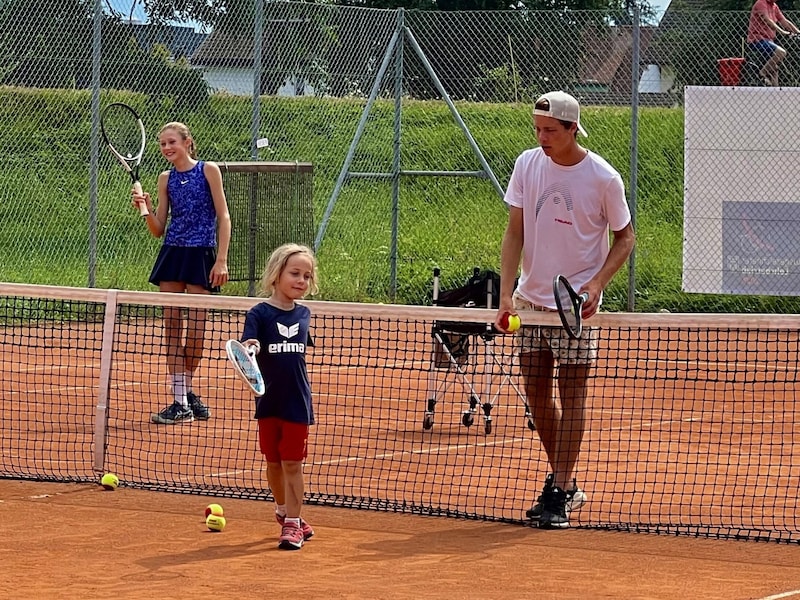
(212, 12)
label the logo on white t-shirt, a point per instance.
(557, 193)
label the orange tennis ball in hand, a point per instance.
(510, 322)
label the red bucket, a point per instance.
(730, 71)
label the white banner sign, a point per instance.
(741, 219)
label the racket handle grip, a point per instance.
(585, 296)
(142, 206)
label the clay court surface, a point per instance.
(78, 541)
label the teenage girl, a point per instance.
(193, 212)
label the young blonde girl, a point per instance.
(278, 329)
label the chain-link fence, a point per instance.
(412, 121)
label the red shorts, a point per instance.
(281, 440)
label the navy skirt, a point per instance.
(185, 265)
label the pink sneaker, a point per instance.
(308, 533)
(291, 537)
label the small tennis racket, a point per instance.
(244, 362)
(569, 304)
(123, 132)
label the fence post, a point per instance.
(398, 111)
(97, 34)
(634, 151)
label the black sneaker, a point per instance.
(174, 413)
(555, 513)
(534, 513)
(199, 410)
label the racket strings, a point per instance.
(246, 363)
(122, 132)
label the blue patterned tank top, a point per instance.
(193, 219)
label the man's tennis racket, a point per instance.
(569, 304)
(123, 132)
(244, 362)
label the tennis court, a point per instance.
(77, 541)
(691, 433)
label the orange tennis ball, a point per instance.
(215, 523)
(214, 509)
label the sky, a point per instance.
(123, 7)
(659, 6)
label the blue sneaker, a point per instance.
(174, 413)
(199, 410)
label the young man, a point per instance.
(562, 201)
(767, 20)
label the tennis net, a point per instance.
(692, 419)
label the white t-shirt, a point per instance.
(567, 214)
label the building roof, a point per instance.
(608, 54)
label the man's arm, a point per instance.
(624, 240)
(510, 252)
(788, 26)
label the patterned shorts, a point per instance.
(556, 340)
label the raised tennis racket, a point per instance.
(244, 362)
(569, 304)
(123, 132)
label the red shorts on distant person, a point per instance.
(281, 440)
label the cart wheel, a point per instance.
(531, 425)
(488, 427)
(427, 422)
(466, 419)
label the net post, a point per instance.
(106, 352)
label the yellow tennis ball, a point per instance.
(109, 481)
(215, 522)
(514, 322)
(214, 509)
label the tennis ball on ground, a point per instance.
(510, 322)
(215, 522)
(109, 481)
(214, 509)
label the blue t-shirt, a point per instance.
(284, 336)
(192, 216)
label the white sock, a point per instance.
(280, 510)
(295, 521)
(179, 389)
(188, 377)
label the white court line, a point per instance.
(634, 426)
(352, 459)
(781, 595)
